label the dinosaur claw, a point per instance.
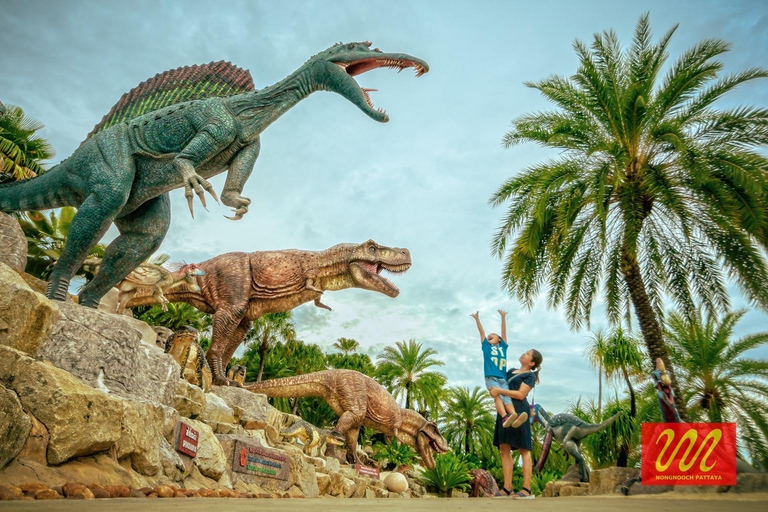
(189, 196)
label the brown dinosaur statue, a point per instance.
(237, 373)
(184, 346)
(360, 401)
(240, 287)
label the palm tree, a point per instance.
(21, 152)
(346, 345)
(654, 191)
(404, 371)
(720, 383)
(595, 352)
(467, 420)
(269, 329)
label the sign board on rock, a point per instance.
(367, 471)
(188, 439)
(259, 461)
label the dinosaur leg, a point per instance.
(107, 197)
(226, 321)
(141, 233)
(235, 341)
(572, 448)
(351, 437)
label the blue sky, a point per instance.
(329, 174)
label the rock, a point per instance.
(161, 336)
(295, 492)
(393, 495)
(750, 482)
(210, 456)
(15, 426)
(361, 484)
(572, 474)
(30, 488)
(13, 243)
(557, 487)
(141, 436)
(370, 493)
(48, 494)
(80, 420)
(174, 467)
(396, 482)
(572, 490)
(75, 490)
(252, 410)
(323, 481)
(137, 494)
(26, 317)
(180, 494)
(119, 491)
(100, 493)
(609, 480)
(332, 465)
(10, 493)
(146, 490)
(106, 352)
(36, 446)
(637, 489)
(216, 410)
(163, 491)
(189, 399)
(170, 420)
(59, 490)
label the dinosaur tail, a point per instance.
(298, 386)
(544, 452)
(592, 428)
(44, 192)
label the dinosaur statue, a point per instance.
(483, 484)
(239, 287)
(568, 430)
(664, 393)
(176, 130)
(310, 435)
(237, 373)
(148, 275)
(360, 401)
(185, 349)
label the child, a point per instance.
(495, 365)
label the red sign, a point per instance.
(689, 454)
(188, 438)
(367, 470)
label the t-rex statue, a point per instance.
(177, 130)
(310, 435)
(184, 347)
(360, 401)
(239, 287)
(568, 430)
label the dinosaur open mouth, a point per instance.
(372, 270)
(358, 67)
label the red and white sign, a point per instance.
(367, 471)
(188, 438)
(689, 454)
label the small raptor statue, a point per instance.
(177, 130)
(184, 347)
(240, 287)
(237, 373)
(360, 401)
(568, 430)
(310, 435)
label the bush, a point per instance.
(393, 454)
(450, 472)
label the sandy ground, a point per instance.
(694, 503)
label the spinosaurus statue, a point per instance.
(568, 430)
(177, 130)
(239, 287)
(360, 401)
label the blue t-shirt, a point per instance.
(495, 359)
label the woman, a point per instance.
(521, 381)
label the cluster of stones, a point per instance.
(77, 491)
(87, 396)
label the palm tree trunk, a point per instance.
(466, 440)
(624, 452)
(408, 395)
(262, 355)
(649, 324)
(600, 392)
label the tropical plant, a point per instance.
(393, 454)
(404, 371)
(605, 448)
(595, 352)
(721, 383)
(346, 345)
(450, 472)
(466, 419)
(21, 152)
(267, 330)
(655, 192)
(359, 362)
(178, 315)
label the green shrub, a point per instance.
(393, 454)
(450, 472)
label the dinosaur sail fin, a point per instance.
(175, 86)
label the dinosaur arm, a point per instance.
(239, 171)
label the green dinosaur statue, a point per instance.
(177, 130)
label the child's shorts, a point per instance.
(498, 382)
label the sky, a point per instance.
(328, 174)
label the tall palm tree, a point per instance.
(346, 345)
(269, 329)
(21, 152)
(595, 352)
(404, 371)
(655, 191)
(721, 384)
(467, 420)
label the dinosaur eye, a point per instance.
(372, 249)
(351, 46)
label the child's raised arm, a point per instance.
(476, 316)
(503, 325)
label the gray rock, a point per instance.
(106, 352)
(15, 426)
(751, 482)
(13, 243)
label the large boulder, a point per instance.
(15, 426)
(210, 459)
(189, 399)
(106, 352)
(610, 480)
(252, 410)
(217, 410)
(80, 420)
(142, 436)
(13, 243)
(26, 317)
